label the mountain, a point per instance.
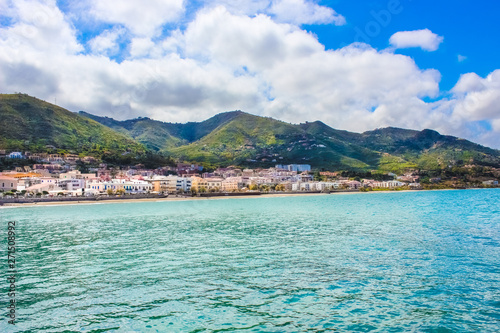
(157, 135)
(32, 124)
(248, 140)
(231, 138)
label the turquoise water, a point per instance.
(367, 262)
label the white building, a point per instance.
(294, 167)
(388, 184)
(72, 184)
(129, 186)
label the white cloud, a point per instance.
(107, 42)
(225, 61)
(240, 7)
(300, 76)
(296, 12)
(425, 39)
(40, 26)
(140, 47)
(256, 43)
(142, 18)
(461, 58)
(304, 12)
(478, 98)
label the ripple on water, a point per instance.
(384, 262)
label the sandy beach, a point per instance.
(171, 198)
(175, 198)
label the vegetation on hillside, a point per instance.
(232, 138)
(30, 124)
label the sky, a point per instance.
(355, 65)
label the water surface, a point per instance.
(367, 262)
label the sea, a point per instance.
(422, 261)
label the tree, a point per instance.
(82, 166)
(45, 192)
(110, 191)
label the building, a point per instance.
(232, 184)
(354, 185)
(75, 174)
(15, 155)
(55, 158)
(329, 174)
(294, 167)
(171, 184)
(388, 184)
(45, 187)
(129, 186)
(8, 183)
(72, 184)
(206, 184)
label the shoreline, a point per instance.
(172, 199)
(134, 200)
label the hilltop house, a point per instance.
(15, 155)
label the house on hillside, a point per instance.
(15, 155)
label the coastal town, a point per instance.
(57, 175)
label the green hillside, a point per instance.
(428, 149)
(232, 138)
(32, 124)
(244, 139)
(247, 140)
(162, 136)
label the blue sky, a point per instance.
(469, 29)
(355, 65)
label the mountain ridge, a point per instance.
(34, 124)
(411, 148)
(236, 138)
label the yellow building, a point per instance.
(206, 184)
(230, 184)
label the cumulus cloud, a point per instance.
(304, 12)
(224, 60)
(140, 47)
(143, 18)
(40, 26)
(107, 42)
(478, 98)
(296, 12)
(425, 39)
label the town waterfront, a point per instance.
(426, 261)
